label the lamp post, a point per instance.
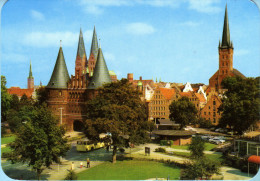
(61, 115)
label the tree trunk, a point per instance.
(114, 154)
(38, 174)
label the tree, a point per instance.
(240, 103)
(197, 147)
(117, 109)
(71, 175)
(183, 112)
(5, 99)
(39, 141)
(202, 168)
(41, 95)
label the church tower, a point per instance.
(81, 58)
(93, 53)
(225, 50)
(30, 79)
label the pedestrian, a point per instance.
(81, 164)
(72, 166)
(88, 163)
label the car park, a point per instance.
(216, 140)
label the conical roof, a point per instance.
(60, 75)
(81, 47)
(30, 71)
(94, 44)
(226, 43)
(101, 73)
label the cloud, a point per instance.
(206, 6)
(37, 15)
(139, 28)
(47, 39)
(98, 7)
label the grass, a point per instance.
(5, 150)
(6, 140)
(215, 157)
(208, 146)
(130, 170)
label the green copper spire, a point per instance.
(60, 75)
(30, 71)
(94, 44)
(101, 73)
(226, 43)
(81, 47)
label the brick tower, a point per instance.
(93, 53)
(58, 90)
(225, 50)
(30, 79)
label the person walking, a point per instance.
(88, 163)
(72, 166)
(81, 164)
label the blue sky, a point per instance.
(175, 40)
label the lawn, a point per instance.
(8, 139)
(216, 157)
(130, 170)
(208, 146)
(5, 149)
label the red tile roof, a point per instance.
(200, 97)
(185, 94)
(167, 93)
(20, 92)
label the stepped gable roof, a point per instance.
(226, 43)
(30, 71)
(94, 44)
(101, 73)
(200, 97)
(174, 132)
(81, 47)
(167, 93)
(20, 92)
(60, 75)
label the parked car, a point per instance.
(216, 140)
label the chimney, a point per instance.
(130, 77)
(140, 78)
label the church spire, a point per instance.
(226, 43)
(81, 47)
(30, 71)
(60, 75)
(94, 44)
(101, 74)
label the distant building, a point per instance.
(29, 92)
(225, 50)
(67, 95)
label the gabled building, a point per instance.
(225, 50)
(67, 95)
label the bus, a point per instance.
(89, 145)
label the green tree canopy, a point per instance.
(183, 112)
(117, 109)
(240, 103)
(197, 147)
(5, 99)
(39, 141)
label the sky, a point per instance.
(172, 40)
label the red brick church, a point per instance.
(67, 95)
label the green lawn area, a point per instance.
(130, 170)
(8, 139)
(208, 146)
(5, 149)
(216, 157)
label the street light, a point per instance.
(61, 115)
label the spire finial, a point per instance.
(60, 43)
(99, 43)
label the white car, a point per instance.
(216, 141)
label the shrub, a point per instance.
(160, 149)
(122, 150)
(166, 142)
(71, 175)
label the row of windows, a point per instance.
(214, 114)
(158, 108)
(158, 114)
(158, 102)
(223, 63)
